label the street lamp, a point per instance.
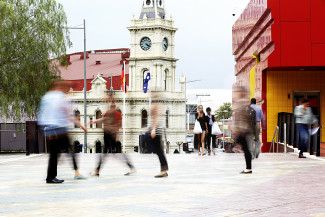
(85, 80)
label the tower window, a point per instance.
(165, 79)
(160, 3)
(144, 119)
(148, 2)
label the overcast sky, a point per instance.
(203, 41)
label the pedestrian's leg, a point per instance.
(53, 159)
(248, 156)
(162, 158)
(214, 145)
(208, 142)
(251, 144)
(257, 141)
(203, 142)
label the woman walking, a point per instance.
(202, 119)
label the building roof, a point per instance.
(99, 62)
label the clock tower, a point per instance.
(152, 48)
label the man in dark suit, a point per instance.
(210, 121)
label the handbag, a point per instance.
(216, 130)
(197, 128)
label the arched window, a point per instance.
(98, 116)
(167, 119)
(144, 119)
(77, 117)
(165, 79)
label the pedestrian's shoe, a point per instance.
(54, 181)
(246, 172)
(94, 174)
(132, 171)
(302, 156)
(79, 177)
(162, 175)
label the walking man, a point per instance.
(243, 126)
(209, 137)
(304, 118)
(112, 120)
(55, 117)
(260, 124)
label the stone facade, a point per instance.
(152, 50)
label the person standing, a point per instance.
(260, 124)
(202, 119)
(209, 136)
(55, 117)
(112, 121)
(304, 118)
(243, 125)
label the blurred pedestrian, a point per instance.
(304, 118)
(112, 121)
(209, 136)
(244, 121)
(155, 136)
(260, 124)
(55, 117)
(202, 119)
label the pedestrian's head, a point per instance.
(200, 109)
(305, 102)
(113, 106)
(208, 110)
(240, 96)
(60, 85)
(253, 101)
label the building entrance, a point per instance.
(314, 100)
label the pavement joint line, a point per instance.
(21, 158)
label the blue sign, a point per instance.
(146, 82)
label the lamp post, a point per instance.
(85, 80)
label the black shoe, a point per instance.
(162, 175)
(54, 181)
(302, 156)
(246, 172)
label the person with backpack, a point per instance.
(244, 123)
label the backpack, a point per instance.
(251, 117)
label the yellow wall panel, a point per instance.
(282, 83)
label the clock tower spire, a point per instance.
(152, 9)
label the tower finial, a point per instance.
(153, 9)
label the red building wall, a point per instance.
(298, 33)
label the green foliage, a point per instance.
(223, 112)
(31, 33)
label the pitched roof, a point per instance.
(99, 62)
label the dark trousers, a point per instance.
(303, 137)
(56, 145)
(157, 145)
(109, 143)
(208, 139)
(242, 140)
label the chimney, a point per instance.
(82, 55)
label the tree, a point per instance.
(223, 112)
(31, 34)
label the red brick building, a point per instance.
(279, 48)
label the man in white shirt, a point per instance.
(55, 117)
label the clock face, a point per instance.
(145, 43)
(165, 44)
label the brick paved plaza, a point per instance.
(281, 185)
